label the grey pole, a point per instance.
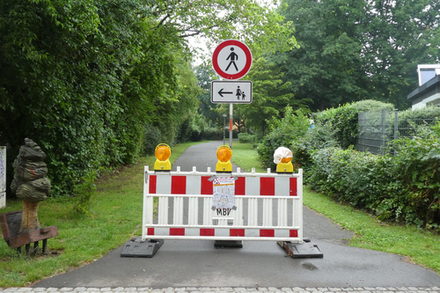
(230, 124)
(224, 128)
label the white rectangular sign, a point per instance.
(231, 92)
(2, 176)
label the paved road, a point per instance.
(186, 263)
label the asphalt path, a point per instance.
(183, 263)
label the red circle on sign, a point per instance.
(246, 67)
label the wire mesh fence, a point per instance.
(378, 128)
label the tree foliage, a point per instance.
(96, 83)
(353, 50)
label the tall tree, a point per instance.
(353, 50)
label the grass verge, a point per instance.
(419, 246)
(115, 216)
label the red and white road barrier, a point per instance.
(178, 205)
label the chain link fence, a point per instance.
(378, 128)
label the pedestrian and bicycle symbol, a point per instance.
(231, 92)
(232, 59)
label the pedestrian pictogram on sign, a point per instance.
(231, 92)
(232, 59)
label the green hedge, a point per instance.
(404, 187)
(283, 132)
(247, 138)
(344, 119)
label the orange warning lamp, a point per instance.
(224, 155)
(162, 154)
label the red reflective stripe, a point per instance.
(240, 186)
(236, 232)
(150, 231)
(178, 185)
(207, 232)
(177, 231)
(267, 186)
(293, 233)
(152, 185)
(293, 188)
(267, 233)
(206, 185)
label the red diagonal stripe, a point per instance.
(267, 186)
(178, 184)
(236, 232)
(177, 231)
(206, 185)
(293, 188)
(152, 185)
(267, 233)
(207, 232)
(240, 186)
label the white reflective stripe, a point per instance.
(222, 232)
(163, 183)
(192, 232)
(295, 212)
(300, 203)
(267, 211)
(161, 231)
(238, 213)
(282, 186)
(178, 211)
(252, 187)
(282, 212)
(282, 233)
(207, 211)
(163, 186)
(252, 232)
(193, 186)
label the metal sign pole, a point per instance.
(230, 124)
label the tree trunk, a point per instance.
(29, 218)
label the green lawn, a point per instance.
(418, 246)
(115, 216)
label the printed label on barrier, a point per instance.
(223, 201)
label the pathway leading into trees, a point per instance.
(188, 263)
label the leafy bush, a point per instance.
(344, 119)
(282, 133)
(412, 122)
(247, 138)
(318, 137)
(404, 187)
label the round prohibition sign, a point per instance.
(232, 59)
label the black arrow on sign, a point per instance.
(221, 92)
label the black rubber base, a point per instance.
(301, 250)
(138, 248)
(228, 244)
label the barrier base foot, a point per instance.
(228, 244)
(138, 248)
(301, 250)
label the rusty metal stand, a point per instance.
(10, 225)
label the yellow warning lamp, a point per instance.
(162, 154)
(283, 159)
(224, 155)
